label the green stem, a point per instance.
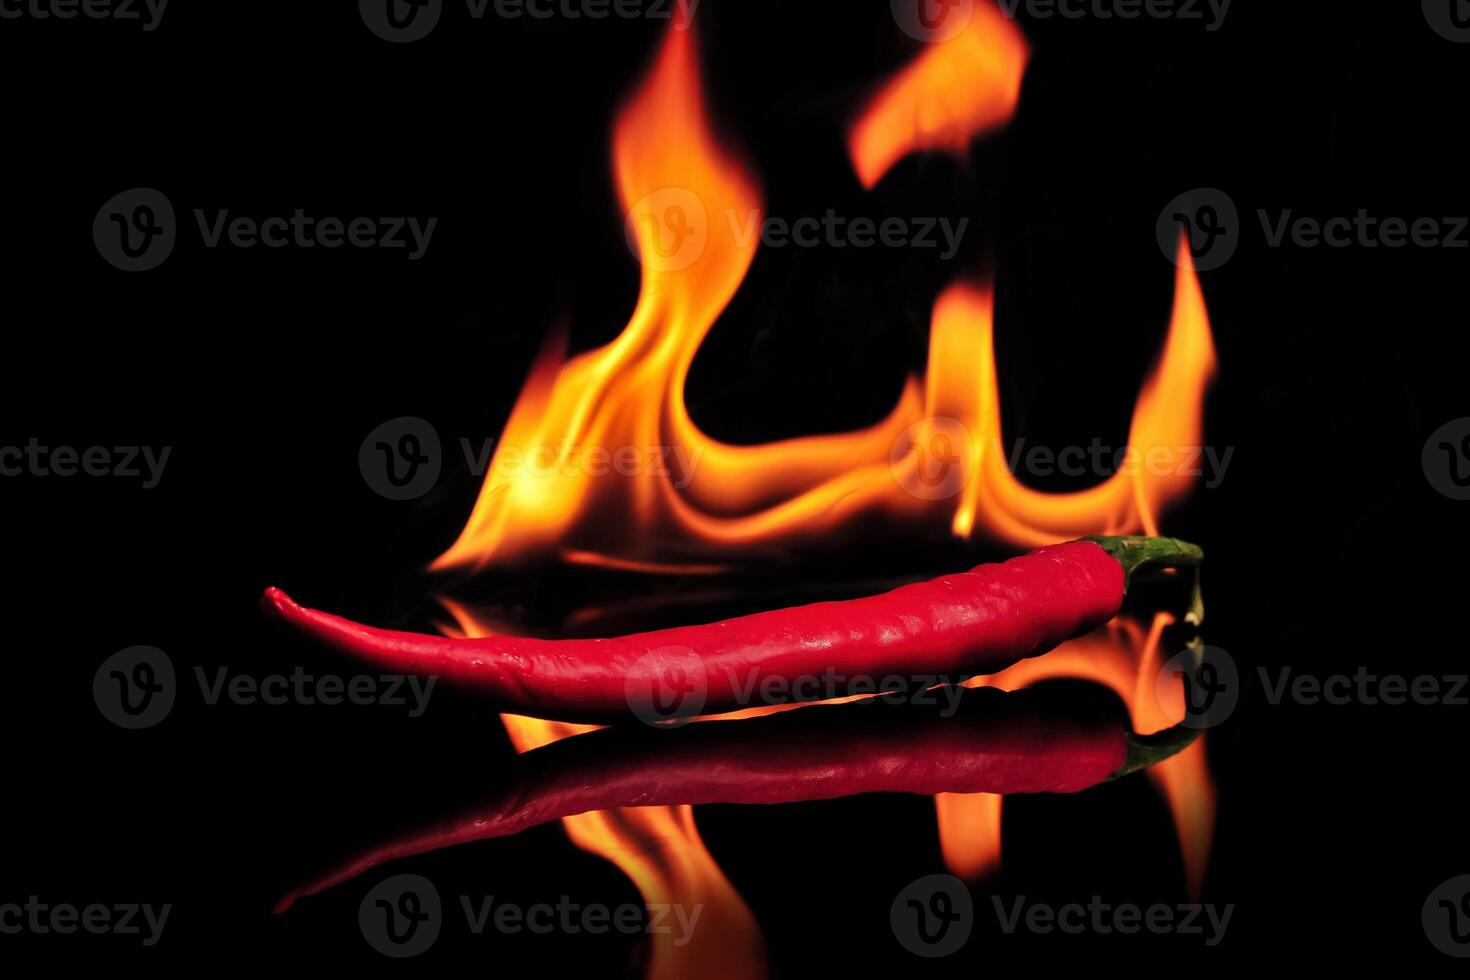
(1150, 750)
(1135, 553)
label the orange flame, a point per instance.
(958, 89)
(969, 832)
(661, 852)
(601, 461)
(1126, 660)
(1166, 432)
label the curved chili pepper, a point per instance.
(1038, 741)
(975, 622)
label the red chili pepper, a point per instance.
(1042, 741)
(956, 626)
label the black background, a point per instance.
(264, 370)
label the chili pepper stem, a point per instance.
(1136, 552)
(1149, 750)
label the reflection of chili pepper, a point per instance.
(975, 622)
(1037, 741)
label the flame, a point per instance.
(1126, 659)
(1167, 428)
(969, 832)
(680, 500)
(660, 850)
(958, 89)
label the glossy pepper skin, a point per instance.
(1028, 742)
(960, 625)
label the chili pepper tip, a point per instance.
(278, 603)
